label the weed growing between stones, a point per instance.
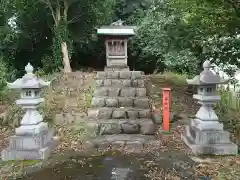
(89, 96)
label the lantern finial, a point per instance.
(29, 68)
(206, 65)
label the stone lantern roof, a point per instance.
(207, 77)
(28, 81)
(116, 29)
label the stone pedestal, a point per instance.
(117, 68)
(30, 146)
(209, 141)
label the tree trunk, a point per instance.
(66, 60)
(56, 14)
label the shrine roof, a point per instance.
(116, 30)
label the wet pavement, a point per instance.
(115, 167)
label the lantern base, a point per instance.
(208, 142)
(30, 147)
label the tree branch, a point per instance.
(65, 11)
(48, 3)
(74, 19)
(58, 14)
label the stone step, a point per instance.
(122, 92)
(117, 68)
(132, 143)
(122, 126)
(120, 83)
(106, 101)
(119, 113)
(119, 75)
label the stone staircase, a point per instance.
(121, 111)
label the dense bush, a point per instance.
(224, 51)
(180, 35)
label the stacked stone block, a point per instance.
(116, 68)
(120, 107)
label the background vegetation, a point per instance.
(172, 35)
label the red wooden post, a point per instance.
(166, 108)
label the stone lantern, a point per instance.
(204, 134)
(116, 36)
(33, 139)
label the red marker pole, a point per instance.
(166, 108)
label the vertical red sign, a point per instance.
(166, 108)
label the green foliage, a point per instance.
(126, 8)
(225, 49)
(3, 78)
(182, 61)
(52, 63)
(158, 36)
(180, 35)
(36, 37)
(59, 36)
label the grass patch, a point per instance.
(20, 162)
(175, 78)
